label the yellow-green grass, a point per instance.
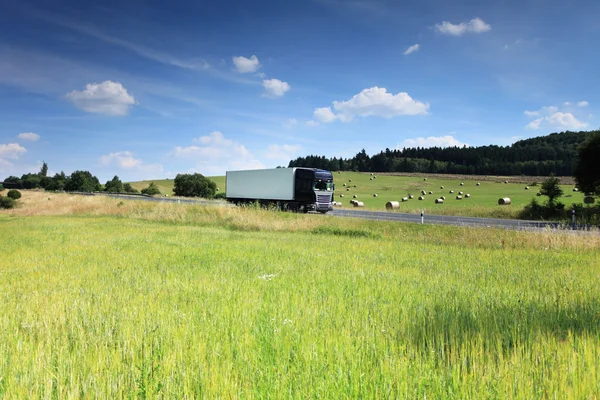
(137, 300)
(482, 203)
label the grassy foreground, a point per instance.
(144, 300)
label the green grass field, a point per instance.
(137, 300)
(483, 201)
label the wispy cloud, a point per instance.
(412, 49)
(476, 25)
(29, 136)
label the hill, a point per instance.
(541, 156)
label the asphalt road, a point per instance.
(377, 215)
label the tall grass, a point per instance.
(114, 307)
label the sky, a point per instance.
(148, 89)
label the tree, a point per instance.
(551, 188)
(13, 182)
(194, 185)
(6, 202)
(1, 187)
(114, 186)
(57, 182)
(44, 170)
(151, 190)
(587, 170)
(82, 181)
(31, 181)
(129, 189)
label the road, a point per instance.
(377, 215)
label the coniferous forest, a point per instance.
(541, 156)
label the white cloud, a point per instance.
(566, 103)
(33, 137)
(432, 141)
(282, 152)
(412, 49)
(324, 115)
(216, 154)
(551, 118)
(476, 25)
(373, 101)
(583, 104)
(108, 97)
(12, 150)
(290, 123)
(125, 160)
(245, 65)
(275, 87)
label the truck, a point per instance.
(295, 189)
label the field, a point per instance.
(109, 299)
(483, 201)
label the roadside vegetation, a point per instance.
(103, 298)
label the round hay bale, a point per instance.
(375, 195)
(410, 196)
(421, 198)
(405, 199)
(461, 193)
(589, 200)
(575, 190)
(504, 201)
(355, 197)
(392, 205)
(370, 179)
(458, 197)
(349, 180)
(423, 192)
(452, 191)
(439, 201)
(526, 187)
(441, 187)
(443, 197)
(352, 202)
(341, 195)
(218, 189)
(538, 194)
(430, 192)
(344, 184)
(359, 204)
(467, 195)
(354, 185)
(371, 174)
(424, 179)
(478, 184)
(505, 181)
(347, 189)
(462, 184)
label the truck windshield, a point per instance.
(324, 186)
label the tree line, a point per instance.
(541, 156)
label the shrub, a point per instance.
(1, 188)
(194, 185)
(151, 190)
(129, 189)
(6, 202)
(220, 196)
(14, 194)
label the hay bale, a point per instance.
(410, 196)
(423, 192)
(575, 190)
(405, 199)
(430, 192)
(354, 185)
(443, 197)
(441, 187)
(504, 201)
(371, 174)
(458, 197)
(370, 179)
(359, 204)
(355, 197)
(467, 196)
(526, 187)
(461, 193)
(538, 194)
(344, 184)
(505, 181)
(462, 184)
(341, 195)
(424, 179)
(392, 205)
(589, 200)
(375, 195)
(421, 198)
(349, 180)
(218, 189)
(374, 176)
(439, 201)
(452, 191)
(352, 202)
(478, 184)
(347, 189)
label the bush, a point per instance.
(194, 185)
(14, 194)
(1, 188)
(6, 202)
(220, 196)
(151, 190)
(129, 189)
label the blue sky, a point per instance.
(148, 89)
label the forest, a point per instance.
(540, 156)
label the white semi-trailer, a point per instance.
(297, 189)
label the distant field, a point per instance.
(102, 298)
(391, 187)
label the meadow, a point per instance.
(482, 203)
(108, 299)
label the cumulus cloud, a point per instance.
(550, 117)
(244, 65)
(282, 152)
(125, 160)
(10, 151)
(30, 136)
(431, 141)
(583, 104)
(376, 102)
(476, 25)
(214, 154)
(108, 97)
(275, 87)
(412, 49)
